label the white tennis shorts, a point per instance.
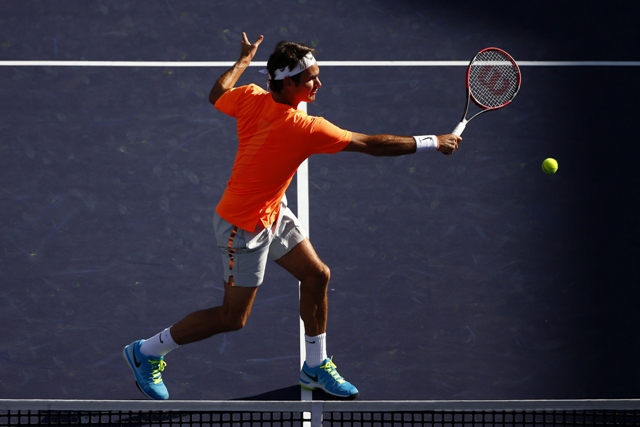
(245, 253)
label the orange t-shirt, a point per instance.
(273, 140)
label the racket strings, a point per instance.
(494, 79)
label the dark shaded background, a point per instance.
(474, 276)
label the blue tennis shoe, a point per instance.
(326, 377)
(148, 371)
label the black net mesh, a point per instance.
(324, 414)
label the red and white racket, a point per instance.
(493, 80)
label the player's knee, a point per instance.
(319, 276)
(235, 323)
(232, 320)
(238, 324)
(324, 273)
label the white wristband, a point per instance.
(426, 143)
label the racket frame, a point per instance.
(470, 97)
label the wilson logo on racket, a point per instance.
(493, 80)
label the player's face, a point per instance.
(309, 84)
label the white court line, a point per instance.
(196, 64)
(302, 191)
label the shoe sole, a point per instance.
(317, 386)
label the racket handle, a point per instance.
(460, 128)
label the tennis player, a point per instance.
(252, 221)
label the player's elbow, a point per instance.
(213, 97)
(364, 149)
(365, 144)
(216, 92)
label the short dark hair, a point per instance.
(286, 54)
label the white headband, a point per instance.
(302, 65)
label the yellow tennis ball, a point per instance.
(550, 165)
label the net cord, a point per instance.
(314, 406)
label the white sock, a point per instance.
(316, 349)
(159, 344)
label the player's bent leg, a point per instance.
(230, 316)
(304, 263)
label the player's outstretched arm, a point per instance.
(395, 145)
(230, 77)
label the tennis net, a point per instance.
(523, 413)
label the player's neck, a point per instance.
(282, 98)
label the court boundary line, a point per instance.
(212, 64)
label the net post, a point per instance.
(317, 408)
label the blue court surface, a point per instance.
(474, 276)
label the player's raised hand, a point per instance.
(230, 77)
(248, 50)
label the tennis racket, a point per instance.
(493, 80)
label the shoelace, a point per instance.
(157, 366)
(331, 368)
